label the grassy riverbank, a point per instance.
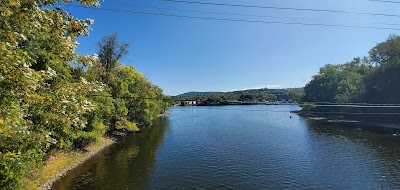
(59, 163)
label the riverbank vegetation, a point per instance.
(59, 163)
(361, 83)
(53, 99)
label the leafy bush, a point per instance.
(127, 125)
(46, 104)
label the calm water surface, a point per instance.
(243, 147)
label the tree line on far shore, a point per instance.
(260, 95)
(53, 99)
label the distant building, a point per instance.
(187, 103)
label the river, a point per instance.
(243, 147)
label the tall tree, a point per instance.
(111, 51)
(385, 52)
(375, 79)
(323, 86)
(383, 83)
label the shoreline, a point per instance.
(163, 114)
(60, 163)
(45, 183)
(91, 151)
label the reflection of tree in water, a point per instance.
(353, 131)
(126, 164)
(137, 158)
(375, 138)
(371, 147)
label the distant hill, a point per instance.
(263, 94)
(193, 93)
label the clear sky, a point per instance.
(182, 55)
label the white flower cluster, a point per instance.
(88, 60)
(97, 87)
(22, 131)
(95, 57)
(49, 73)
(86, 27)
(97, 4)
(87, 106)
(84, 81)
(93, 86)
(76, 122)
(30, 74)
(71, 43)
(50, 140)
(89, 21)
(65, 101)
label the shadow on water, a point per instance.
(354, 131)
(124, 165)
(371, 152)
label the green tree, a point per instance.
(295, 95)
(42, 105)
(374, 79)
(338, 83)
(383, 82)
(386, 52)
(46, 103)
(323, 86)
(111, 51)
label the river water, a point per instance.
(243, 147)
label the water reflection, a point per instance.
(363, 155)
(246, 147)
(124, 165)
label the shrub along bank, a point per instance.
(46, 104)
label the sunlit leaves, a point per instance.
(46, 103)
(373, 79)
(41, 106)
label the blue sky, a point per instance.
(182, 55)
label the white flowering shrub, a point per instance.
(46, 104)
(42, 106)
